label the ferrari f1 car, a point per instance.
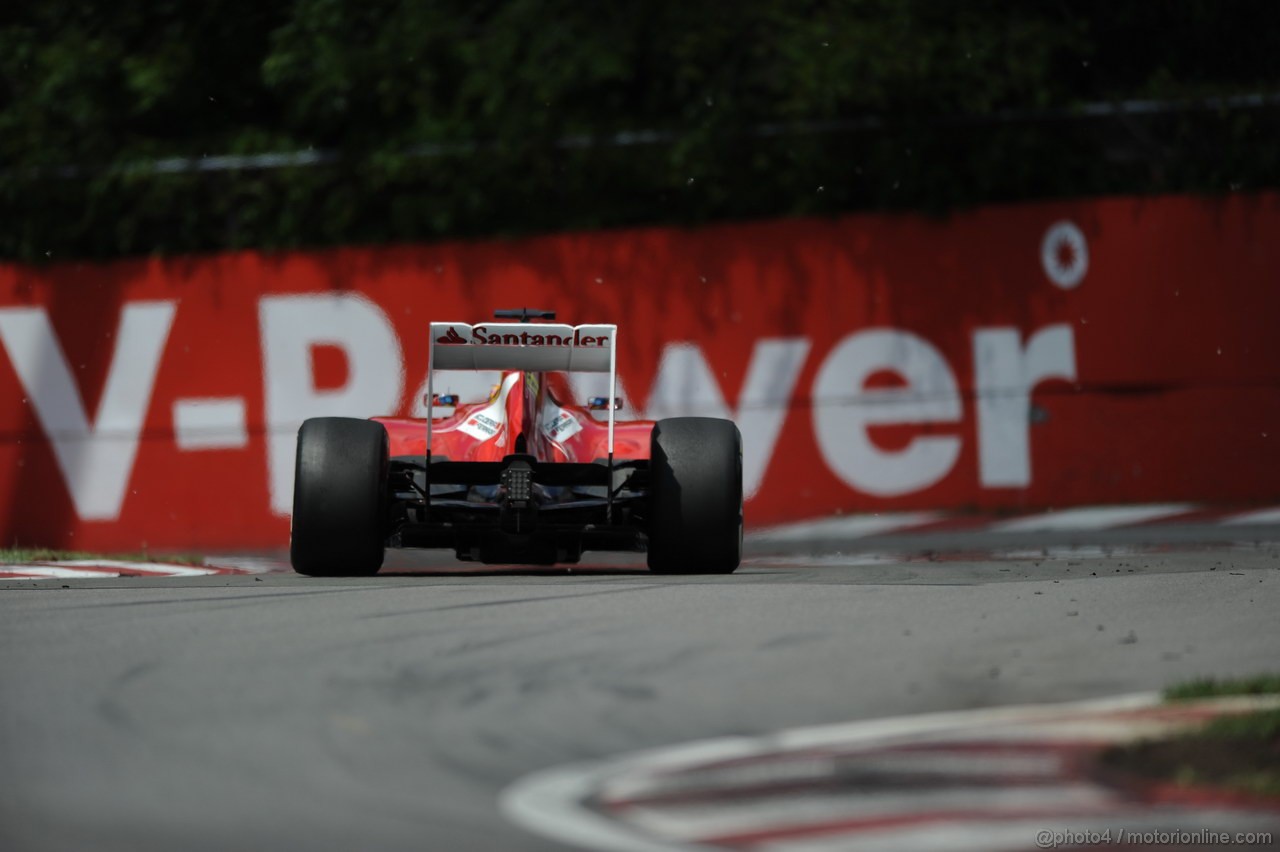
(525, 477)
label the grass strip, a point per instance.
(1209, 687)
(1239, 752)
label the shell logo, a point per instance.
(1064, 253)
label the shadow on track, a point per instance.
(514, 571)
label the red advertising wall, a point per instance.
(1039, 355)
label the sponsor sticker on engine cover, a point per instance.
(481, 426)
(560, 425)
(490, 420)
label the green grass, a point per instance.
(1213, 688)
(1236, 752)
(22, 555)
(1256, 737)
(1260, 725)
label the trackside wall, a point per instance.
(1038, 355)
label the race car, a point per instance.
(525, 477)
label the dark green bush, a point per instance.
(420, 120)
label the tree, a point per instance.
(415, 120)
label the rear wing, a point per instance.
(523, 346)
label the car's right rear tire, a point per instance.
(695, 502)
(339, 497)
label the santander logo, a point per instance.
(482, 336)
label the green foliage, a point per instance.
(1209, 687)
(1261, 726)
(1239, 751)
(467, 117)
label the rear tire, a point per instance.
(339, 497)
(695, 503)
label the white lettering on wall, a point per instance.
(290, 327)
(843, 409)
(96, 459)
(685, 385)
(212, 423)
(1005, 373)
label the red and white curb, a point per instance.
(98, 569)
(1087, 518)
(995, 779)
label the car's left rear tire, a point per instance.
(339, 497)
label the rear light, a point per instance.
(517, 485)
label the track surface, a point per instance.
(280, 712)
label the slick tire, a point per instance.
(339, 498)
(695, 504)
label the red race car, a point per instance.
(525, 477)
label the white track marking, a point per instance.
(803, 767)
(956, 836)
(553, 802)
(1259, 516)
(550, 803)
(1094, 518)
(1017, 834)
(909, 727)
(161, 568)
(750, 815)
(852, 526)
(48, 572)
(806, 561)
(102, 569)
(250, 564)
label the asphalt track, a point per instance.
(281, 712)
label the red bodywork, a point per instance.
(532, 406)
